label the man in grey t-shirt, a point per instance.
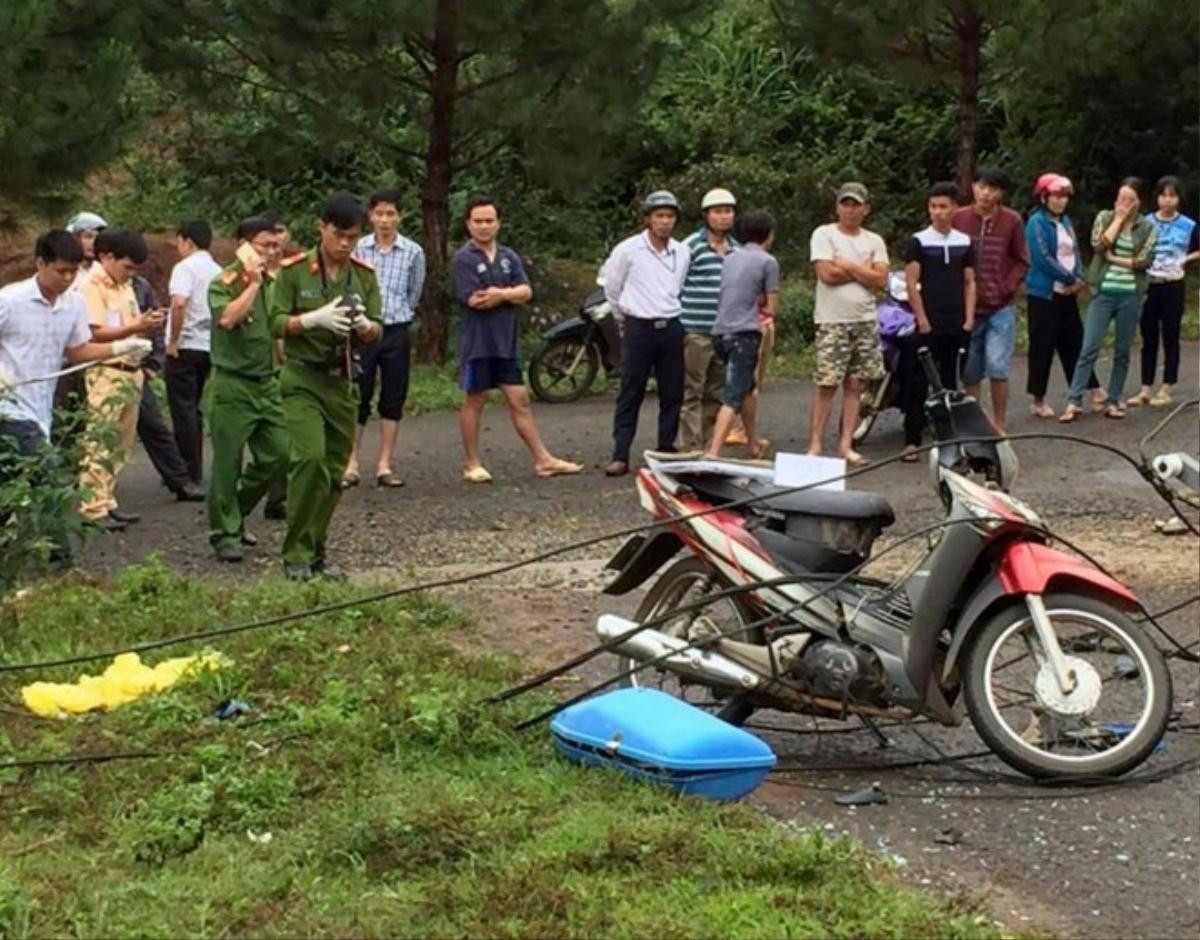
(747, 277)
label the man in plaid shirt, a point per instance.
(399, 264)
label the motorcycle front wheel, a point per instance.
(563, 370)
(1111, 719)
(870, 404)
(685, 582)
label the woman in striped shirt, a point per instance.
(1123, 243)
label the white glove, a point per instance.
(136, 347)
(332, 317)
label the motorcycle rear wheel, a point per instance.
(1008, 694)
(563, 370)
(688, 580)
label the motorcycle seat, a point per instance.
(849, 505)
(852, 505)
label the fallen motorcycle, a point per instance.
(1037, 647)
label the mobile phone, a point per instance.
(248, 256)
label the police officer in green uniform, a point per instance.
(323, 303)
(245, 408)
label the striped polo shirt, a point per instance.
(702, 288)
(1117, 279)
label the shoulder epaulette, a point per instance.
(362, 264)
(292, 259)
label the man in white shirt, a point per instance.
(42, 322)
(851, 265)
(643, 278)
(188, 340)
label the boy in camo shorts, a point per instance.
(851, 265)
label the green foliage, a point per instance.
(67, 107)
(40, 495)
(369, 793)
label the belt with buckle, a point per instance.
(321, 368)
(660, 323)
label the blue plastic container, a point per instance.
(654, 736)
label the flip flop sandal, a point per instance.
(1161, 401)
(1141, 398)
(764, 445)
(855, 459)
(1044, 411)
(388, 480)
(349, 480)
(1071, 414)
(560, 468)
(476, 475)
(910, 455)
(1098, 404)
(1116, 412)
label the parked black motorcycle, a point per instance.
(572, 352)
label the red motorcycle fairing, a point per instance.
(1032, 568)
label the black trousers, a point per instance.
(949, 354)
(1054, 327)
(1162, 312)
(186, 375)
(391, 359)
(160, 442)
(649, 347)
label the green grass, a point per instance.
(396, 804)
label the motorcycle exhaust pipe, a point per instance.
(679, 657)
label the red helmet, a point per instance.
(1052, 184)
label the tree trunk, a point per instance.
(435, 193)
(970, 66)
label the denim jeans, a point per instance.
(1124, 309)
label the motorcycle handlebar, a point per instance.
(925, 358)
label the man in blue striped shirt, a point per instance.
(399, 264)
(704, 373)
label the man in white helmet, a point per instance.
(704, 373)
(642, 280)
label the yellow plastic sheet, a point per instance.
(128, 678)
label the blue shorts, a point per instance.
(739, 352)
(991, 351)
(478, 375)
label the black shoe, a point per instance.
(230, 551)
(128, 518)
(111, 523)
(190, 493)
(297, 572)
(249, 538)
(320, 570)
(277, 511)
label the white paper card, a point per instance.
(803, 470)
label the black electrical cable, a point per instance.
(542, 556)
(742, 628)
(338, 606)
(72, 759)
(1138, 780)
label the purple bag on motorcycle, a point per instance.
(656, 737)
